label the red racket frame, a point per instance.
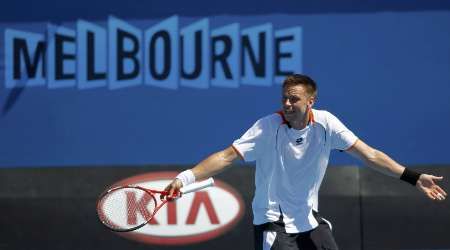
(152, 192)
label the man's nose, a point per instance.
(286, 102)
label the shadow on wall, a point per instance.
(54, 208)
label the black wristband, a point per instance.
(410, 176)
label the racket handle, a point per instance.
(197, 186)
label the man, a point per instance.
(291, 149)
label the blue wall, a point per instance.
(386, 75)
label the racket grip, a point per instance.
(197, 186)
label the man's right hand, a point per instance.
(173, 189)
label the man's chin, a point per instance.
(289, 116)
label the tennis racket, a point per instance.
(127, 208)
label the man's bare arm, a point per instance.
(210, 166)
(215, 163)
(376, 159)
(385, 164)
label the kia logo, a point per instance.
(195, 217)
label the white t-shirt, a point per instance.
(290, 166)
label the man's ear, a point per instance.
(311, 101)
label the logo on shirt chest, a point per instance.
(299, 141)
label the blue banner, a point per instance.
(172, 90)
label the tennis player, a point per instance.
(291, 149)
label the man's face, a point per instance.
(296, 103)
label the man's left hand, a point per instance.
(427, 184)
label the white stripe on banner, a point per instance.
(269, 239)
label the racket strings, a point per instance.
(126, 208)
